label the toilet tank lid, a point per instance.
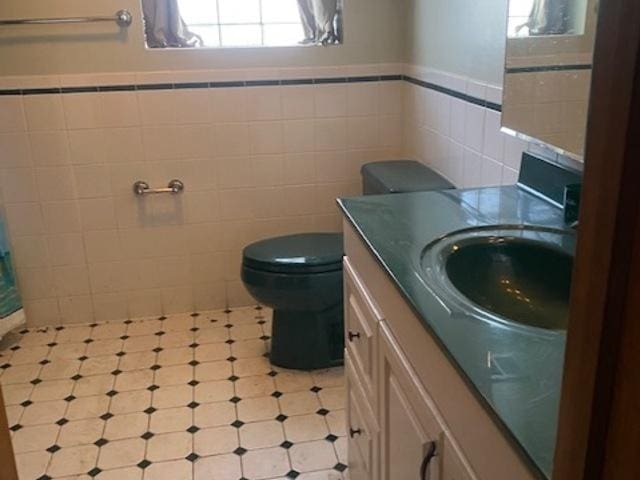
(397, 176)
(295, 252)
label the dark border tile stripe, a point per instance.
(117, 88)
(454, 93)
(43, 91)
(156, 86)
(256, 83)
(549, 68)
(181, 86)
(363, 79)
(262, 83)
(73, 90)
(297, 81)
(321, 81)
(230, 84)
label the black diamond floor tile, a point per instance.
(341, 467)
(240, 451)
(53, 448)
(286, 444)
(147, 435)
(192, 457)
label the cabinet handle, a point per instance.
(354, 432)
(353, 335)
(424, 468)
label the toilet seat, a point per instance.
(296, 254)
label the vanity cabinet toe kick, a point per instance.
(410, 415)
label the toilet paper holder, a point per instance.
(142, 188)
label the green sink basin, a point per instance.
(520, 275)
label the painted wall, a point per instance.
(460, 37)
(373, 33)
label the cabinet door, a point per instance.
(361, 327)
(362, 429)
(454, 467)
(411, 435)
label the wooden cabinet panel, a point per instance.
(362, 429)
(361, 330)
(409, 427)
(7, 460)
(454, 466)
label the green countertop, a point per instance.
(516, 373)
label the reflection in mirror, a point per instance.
(546, 17)
(242, 23)
(548, 72)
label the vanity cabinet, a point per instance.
(410, 414)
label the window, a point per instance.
(248, 23)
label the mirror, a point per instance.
(548, 72)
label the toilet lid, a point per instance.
(302, 253)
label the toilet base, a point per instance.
(305, 340)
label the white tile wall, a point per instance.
(256, 161)
(459, 139)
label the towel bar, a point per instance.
(122, 17)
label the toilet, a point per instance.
(300, 276)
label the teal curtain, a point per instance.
(9, 297)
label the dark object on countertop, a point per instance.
(572, 203)
(401, 176)
(546, 178)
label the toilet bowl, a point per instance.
(300, 276)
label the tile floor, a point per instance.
(185, 397)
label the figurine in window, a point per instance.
(320, 20)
